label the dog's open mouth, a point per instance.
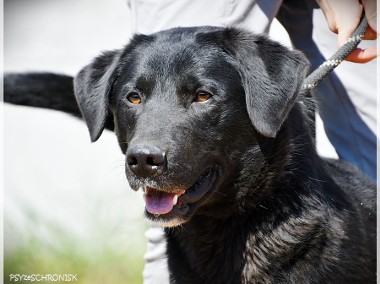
(159, 203)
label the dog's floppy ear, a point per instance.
(271, 75)
(92, 88)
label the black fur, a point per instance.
(271, 210)
(44, 90)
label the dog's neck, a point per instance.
(224, 246)
(248, 234)
(262, 236)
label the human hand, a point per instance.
(343, 17)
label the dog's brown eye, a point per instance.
(134, 98)
(202, 97)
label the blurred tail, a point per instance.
(44, 90)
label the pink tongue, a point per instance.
(158, 202)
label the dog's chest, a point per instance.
(242, 250)
(213, 254)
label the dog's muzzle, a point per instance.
(159, 202)
(145, 161)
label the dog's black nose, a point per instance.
(145, 161)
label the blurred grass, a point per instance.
(109, 254)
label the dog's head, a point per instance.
(188, 104)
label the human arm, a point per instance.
(344, 16)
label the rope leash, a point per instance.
(329, 65)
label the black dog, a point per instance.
(216, 136)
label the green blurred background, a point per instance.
(67, 206)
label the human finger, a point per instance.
(370, 34)
(360, 55)
(371, 12)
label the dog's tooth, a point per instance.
(176, 196)
(175, 199)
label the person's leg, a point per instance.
(156, 265)
(347, 97)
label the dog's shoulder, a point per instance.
(353, 182)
